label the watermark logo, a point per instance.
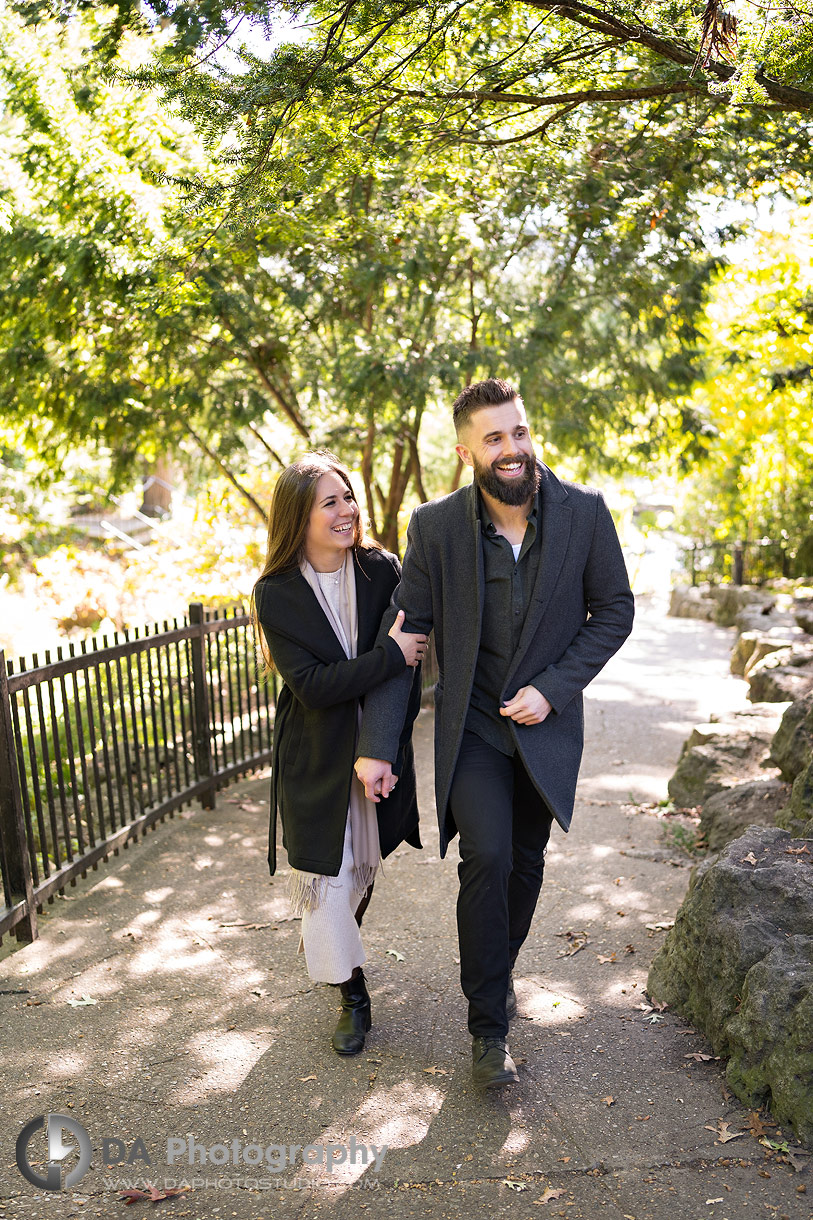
(58, 1150)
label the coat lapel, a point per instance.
(365, 605)
(298, 615)
(556, 522)
(473, 561)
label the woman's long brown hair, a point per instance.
(288, 518)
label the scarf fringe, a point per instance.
(306, 891)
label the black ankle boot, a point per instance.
(348, 1038)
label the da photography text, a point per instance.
(180, 1151)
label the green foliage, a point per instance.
(757, 479)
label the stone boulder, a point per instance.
(792, 745)
(762, 617)
(725, 816)
(688, 601)
(803, 613)
(783, 676)
(797, 815)
(738, 965)
(731, 599)
(719, 755)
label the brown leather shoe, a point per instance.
(492, 1065)
(355, 1021)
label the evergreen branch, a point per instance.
(676, 50)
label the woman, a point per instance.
(319, 603)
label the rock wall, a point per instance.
(738, 964)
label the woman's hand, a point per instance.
(412, 646)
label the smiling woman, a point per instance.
(317, 608)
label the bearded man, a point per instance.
(521, 577)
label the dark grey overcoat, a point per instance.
(580, 613)
(316, 718)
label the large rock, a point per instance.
(764, 1068)
(688, 601)
(742, 941)
(792, 745)
(718, 756)
(782, 677)
(797, 815)
(803, 611)
(731, 599)
(725, 816)
(761, 617)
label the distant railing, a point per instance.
(742, 563)
(98, 745)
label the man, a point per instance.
(521, 577)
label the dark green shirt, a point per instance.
(509, 584)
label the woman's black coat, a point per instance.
(316, 722)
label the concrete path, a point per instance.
(165, 1003)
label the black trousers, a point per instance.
(504, 828)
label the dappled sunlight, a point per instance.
(393, 1118)
(546, 1005)
(623, 991)
(171, 954)
(158, 896)
(66, 1065)
(225, 1059)
(41, 955)
(516, 1142)
(587, 910)
(600, 850)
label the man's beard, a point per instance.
(509, 491)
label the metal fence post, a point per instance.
(739, 564)
(200, 704)
(16, 861)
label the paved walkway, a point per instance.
(165, 1001)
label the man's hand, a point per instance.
(529, 706)
(377, 777)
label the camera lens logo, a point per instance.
(58, 1124)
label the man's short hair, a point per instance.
(491, 393)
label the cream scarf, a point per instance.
(307, 889)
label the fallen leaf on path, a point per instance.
(551, 1192)
(576, 941)
(85, 1000)
(152, 1193)
(629, 948)
(796, 851)
(653, 1018)
(749, 859)
(515, 1185)
(605, 958)
(699, 1057)
(304, 1078)
(663, 926)
(710, 1201)
(399, 957)
(756, 1125)
(608, 1101)
(436, 1071)
(723, 1132)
